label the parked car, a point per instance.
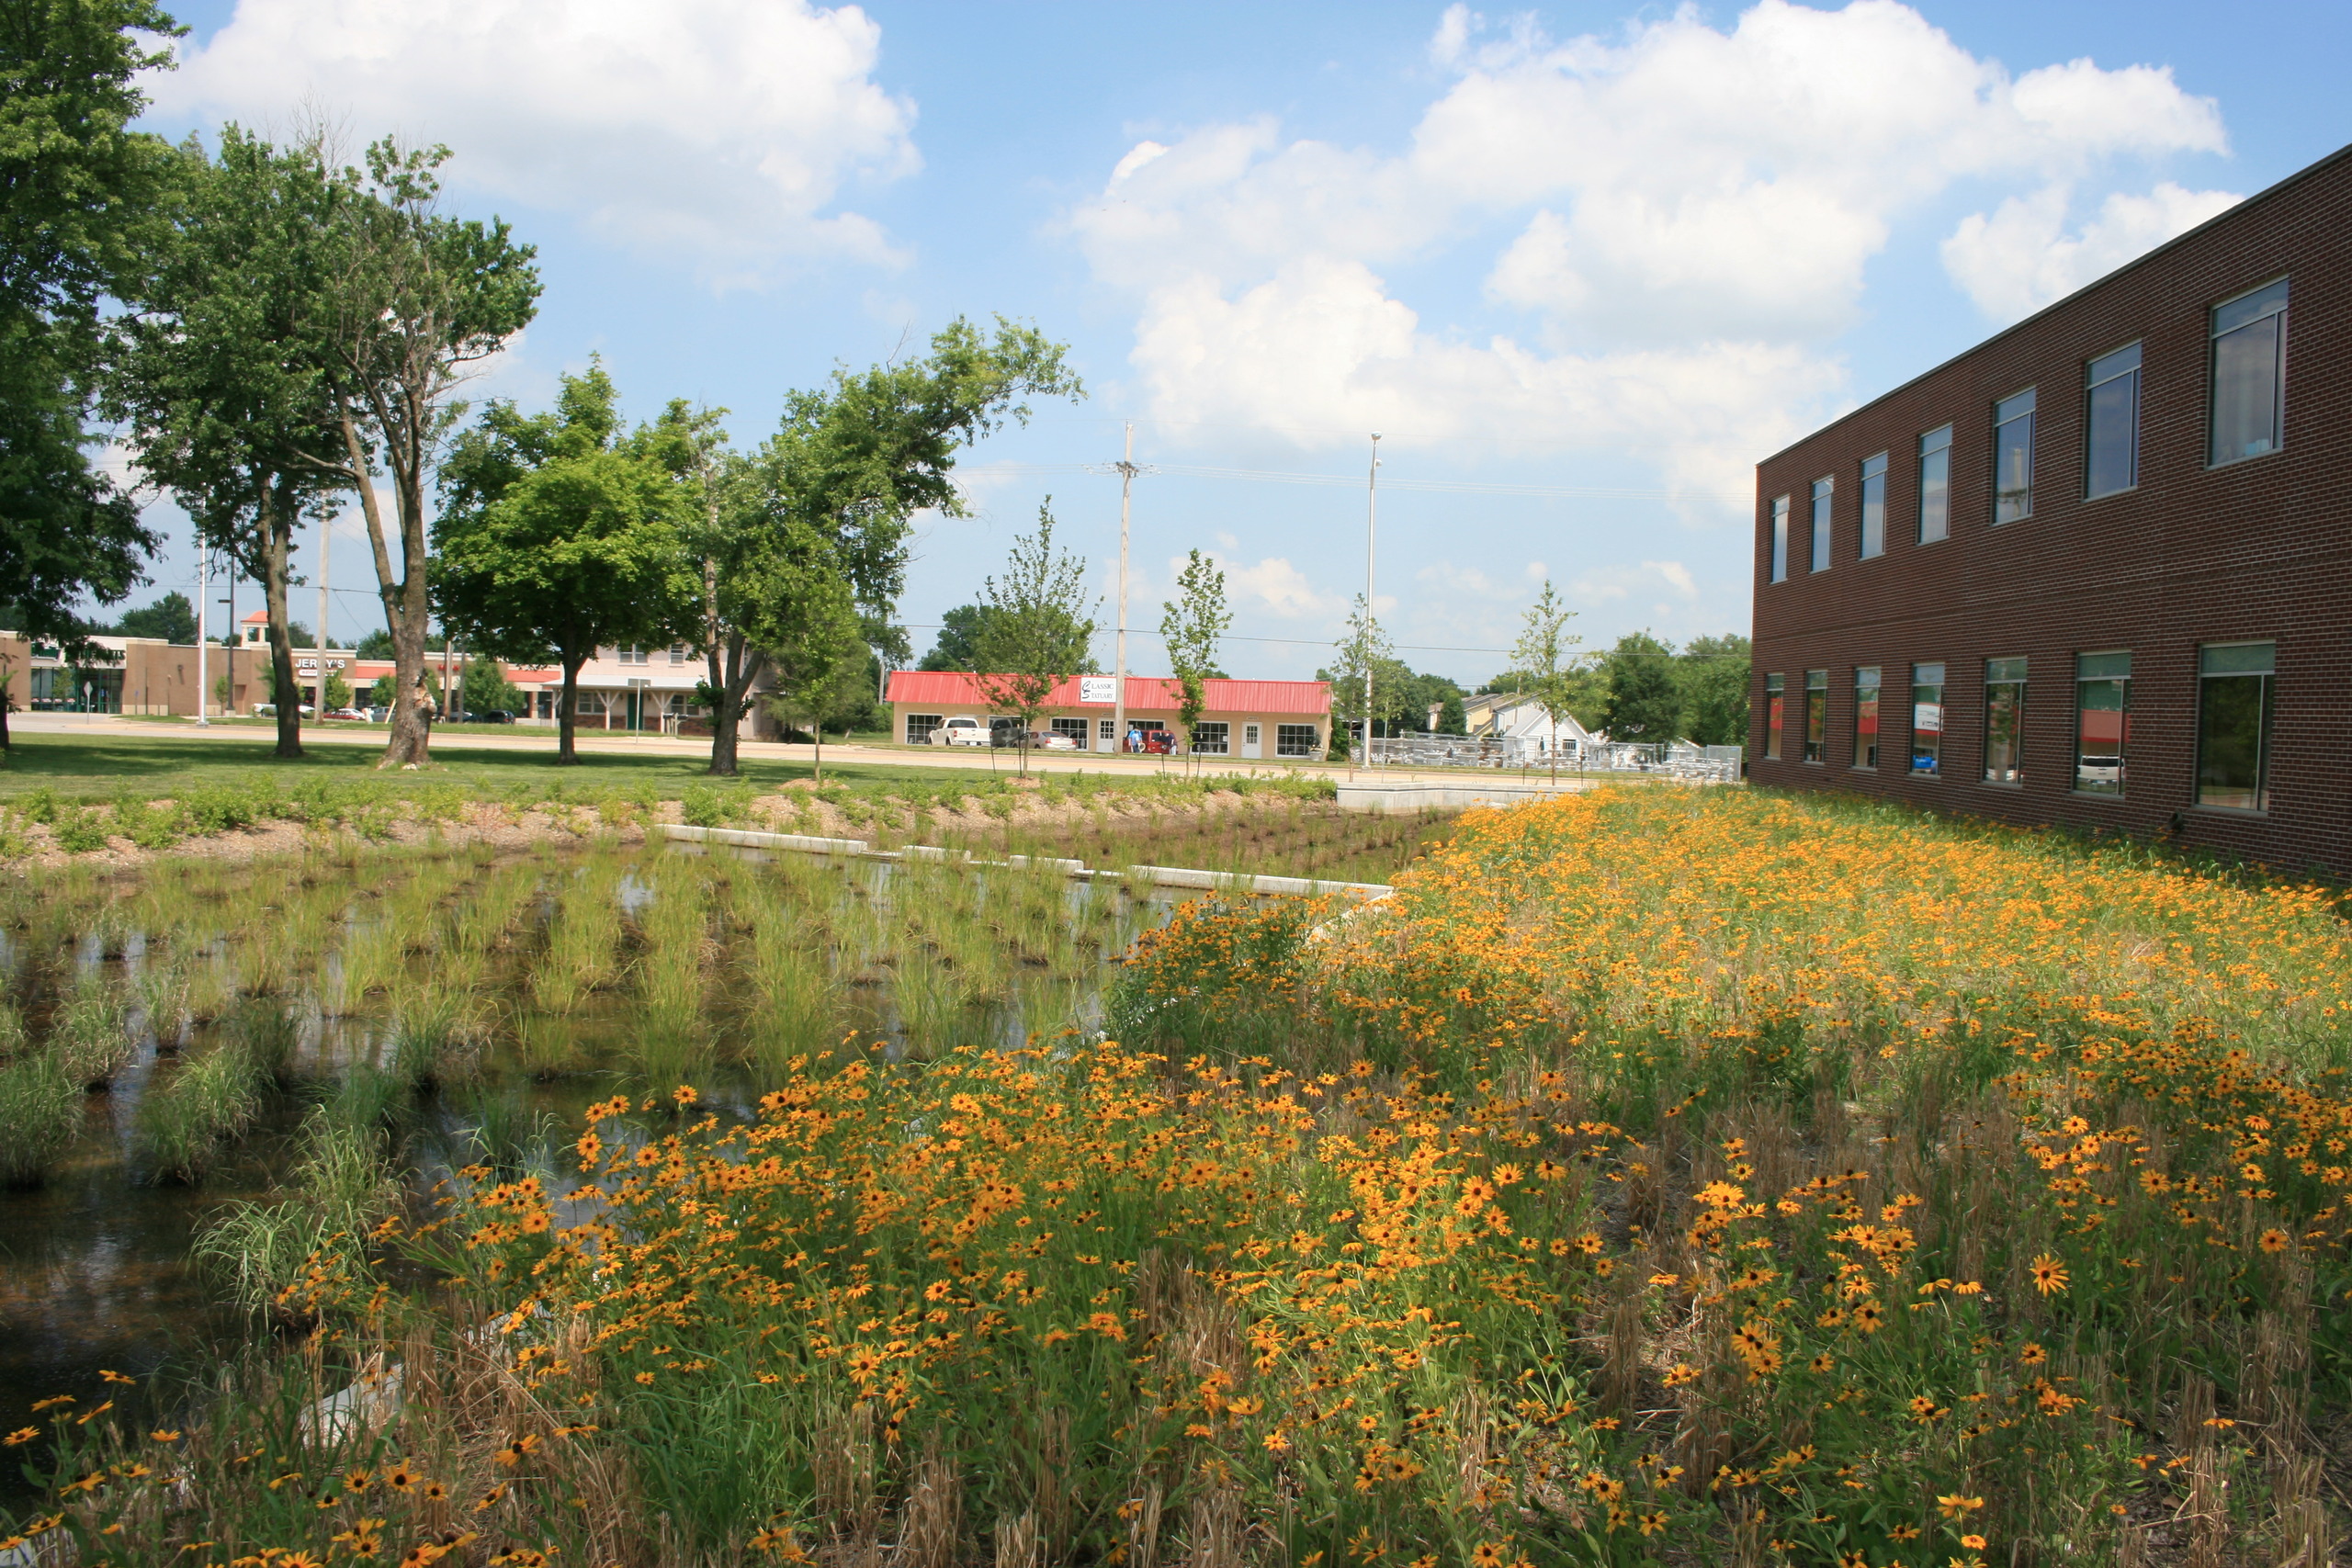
(269, 710)
(491, 715)
(1159, 742)
(961, 730)
(1052, 740)
(358, 714)
(376, 714)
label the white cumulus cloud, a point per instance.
(722, 130)
(2020, 258)
(1688, 215)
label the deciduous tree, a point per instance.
(1190, 624)
(1038, 626)
(1545, 654)
(559, 535)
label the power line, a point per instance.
(1434, 487)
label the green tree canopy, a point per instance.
(81, 196)
(1641, 701)
(558, 536)
(848, 468)
(958, 644)
(171, 617)
(1712, 674)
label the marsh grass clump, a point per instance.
(206, 1104)
(91, 1033)
(40, 1115)
(276, 1256)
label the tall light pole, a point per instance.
(203, 604)
(1126, 468)
(325, 524)
(1371, 537)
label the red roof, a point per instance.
(1145, 693)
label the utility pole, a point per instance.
(1371, 529)
(1127, 472)
(203, 604)
(325, 524)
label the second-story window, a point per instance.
(1935, 485)
(1823, 491)
(2250, 374)
(2013, 457)
(1780, 538)
(1874, 506)
(2112, 455)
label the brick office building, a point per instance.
(2098, 569)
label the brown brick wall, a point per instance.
(2260, 549)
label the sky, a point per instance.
(1579, 266)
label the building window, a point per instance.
(2234, 724)
(677, 653)
(1297, 740)
(920, 725)
(1106, 729)
(1211, 738)
(2102, 721)
(1822, 490)
(1775, 700)
(2250, 375)
(2111, 459)
(1866, 718)
(2004, 721)
(1816, 715)
(2013, 457)
(1874, 506)
(1935, 485)
(1780, 538)
(1926, 719)
(1073, 728)
(629, 655)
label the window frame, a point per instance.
(1820, 539)
(2123, 722)
(1776, 702)
(2215, 336)
(930, 723)
(1998, 677)
(1814, 741)
(2265, 724)
(1777, 560)
(2030, 416)
(1942, 491)
(1286, 742)
(1075, 725)
(1872, 491)
(2137, 349)
(1867, 710)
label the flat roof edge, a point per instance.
(2268, 193)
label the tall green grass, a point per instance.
(40, 1115)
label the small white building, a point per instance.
(1515, 716)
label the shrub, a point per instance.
(80, 830)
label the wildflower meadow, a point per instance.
(1657, 1176)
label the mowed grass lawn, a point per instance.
(99, 767)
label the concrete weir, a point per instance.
(1384, 797)
(1150, 876)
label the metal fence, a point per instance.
(1696, 764)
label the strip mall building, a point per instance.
(1251, 720)
(2097, 570)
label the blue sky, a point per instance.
(1581, 266)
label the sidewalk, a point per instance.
(115, 728)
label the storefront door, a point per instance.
(1252, 746)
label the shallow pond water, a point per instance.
(498, 997)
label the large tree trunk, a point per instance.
(566, 713)
(404, 605)
(732, 683)
(277, 531)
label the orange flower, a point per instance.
(2049, 1274)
